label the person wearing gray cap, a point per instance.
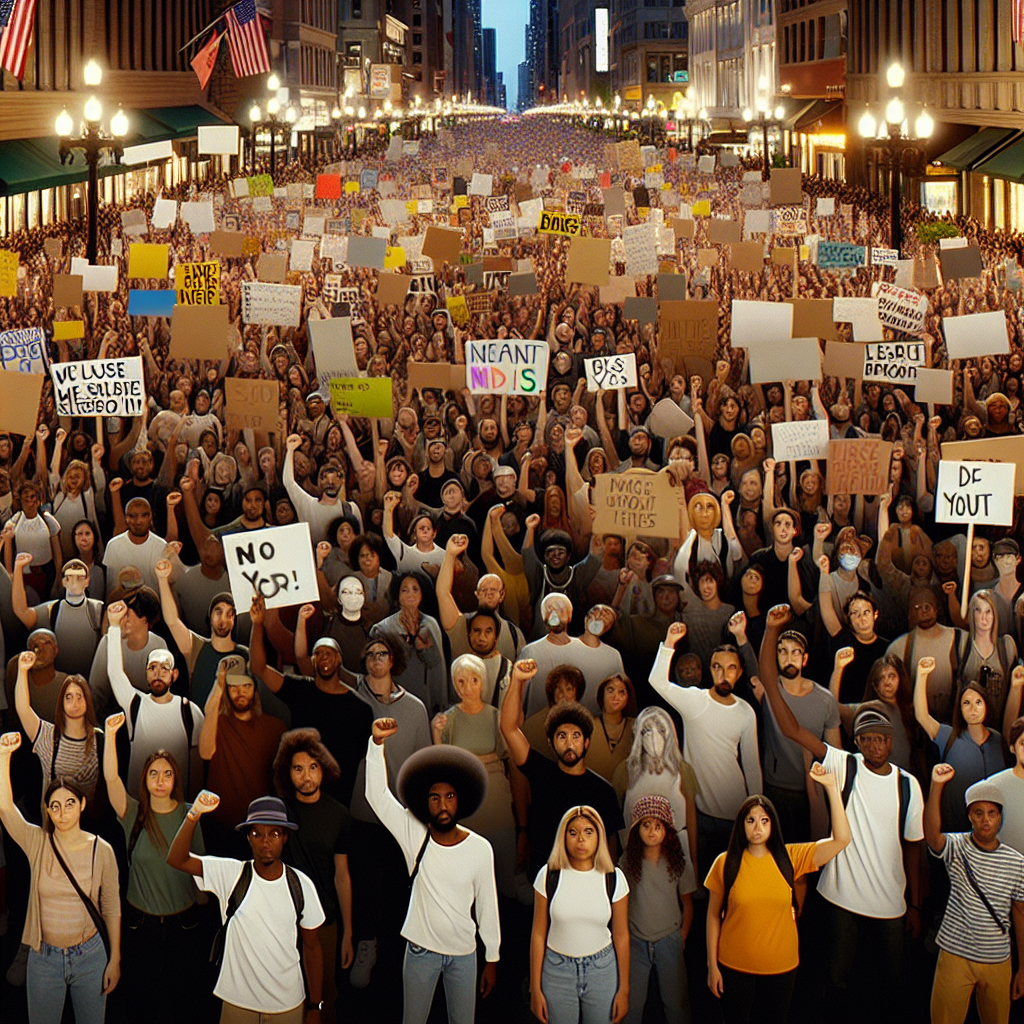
(986, 897)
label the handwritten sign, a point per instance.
(552, 223)
(789, 220)
(901, 308)
(276, 563)
(506, 367)
(198, 284)
(858, 466)
(801, 439)
(839, 255)
(893, 360)
(610, 372)
(885, 257)
(635, 502)
(22, 350)
(362, 396)
(689, 328)
(273, 304)
(99, 387)
(975, 492)
(8, 273)
(251, 404)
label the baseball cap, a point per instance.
(160, 656)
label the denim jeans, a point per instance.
(421, 970)
(53, 970)
(666, 958)
(580, 989)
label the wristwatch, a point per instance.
(315, 1006)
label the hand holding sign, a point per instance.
(275, 563)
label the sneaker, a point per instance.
(16, 972)
(366, 958)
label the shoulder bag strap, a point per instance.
(94, 914)
(969, 872)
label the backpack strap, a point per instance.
(551, 885)
(133, 712)
(419, 856)
(609, 885)
(234, 901)
(299, 902)
(851, 775)
(904, 786)
(189, 725)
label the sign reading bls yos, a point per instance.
(276, 563)
(975, 492)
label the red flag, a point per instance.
(203, 61)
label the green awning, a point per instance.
(962, 157)
(1007, 163)
(183, 121)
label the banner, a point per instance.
(23, 350)
(276, 563)
(901, 308)
(975, 492)
(893, 360)
(198, 284)
(99, 387)
(636, 502)
(507, 367)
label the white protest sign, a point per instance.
(825, 206)
(610, 372)
(975, 492)
(302, 253)
(218, 139)
(95, 277)
(313, 225)
(953, 243)
(198, 216)
(885, 257)
(333, 351)
(755, 324)
(668, 420)
(976, 334)
(165, 213)
(480, 185)
(904, 273)
(706, 165)
(277, 305)
(334, 248)
(506, 367)
(23, 350)
(276, 563)
(893, 360)
(902, 309)
(801, 439)
(99, 387)
(934, 386)
(641, 255)
(862, 313)
(757, 222)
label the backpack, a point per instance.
(187, 722)
(904, 784)
(234, 901)
(553, 877)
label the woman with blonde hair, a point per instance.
(579, 949)
(986, 658)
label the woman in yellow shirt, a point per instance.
(753, 949)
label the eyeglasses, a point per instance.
(377, 655)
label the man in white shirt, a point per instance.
(318, 512)
(556, 647)
(452, 871)
(158, 720)
(719, 741)
(136, 546)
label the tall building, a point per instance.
(649, 52)
(490, 66)
(543, 56)
(584, 49)
(358, 44)
(467, 46)
(524, 96)
(306, 37)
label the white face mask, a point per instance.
(849, 561)
(352, 602)
(595, 627)
(553, 619)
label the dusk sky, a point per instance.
(509, 18)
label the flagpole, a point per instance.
(204, 31)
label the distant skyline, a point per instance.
(508, 18)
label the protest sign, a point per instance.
(671, 287)
(441, 376)
(901, 309)
(366, 252)
(893, 360)
(506, 367)
(844, 359)
(789, 220)
(980, 493)
(635, 502)
(199, 332)
(362, 396)
(611, 372)
(689, 328)
(219, 139)
(862, 313)
(68, 330)
(392, 289)
(199, 215)
(724, 232)
(302, 254)
(976, 334)
(800, 439)
(792, 359)
(261, 185)
(19, 401)
(757, 222)
(667, 420)
(523, 283)
(442, 245)
(95, 278)
(23, 350)
(277, 305)
(133, 224)
(746, 257)
(961, 262)
(99, 387)
(480, 185)
(786, 187)
(825, 206)
(837, 255)
(151, 302)
(859, 466)
(551, 223)
(1008, 449)
(813, 318)
(456, 306)
(276, 563)
(639, 242)
(934, 386)
(588, 261)
(198, 284)
(760, 323)
(227, 243)
(8, 273)
(272, 267)
(641, 308)
(333, 351)
(706, 164)
(885, 257)
(251, 404)
(67, 290)
(147, 260)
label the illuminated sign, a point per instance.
(601, 41)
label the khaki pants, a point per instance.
(955, 980)
(231, 1014)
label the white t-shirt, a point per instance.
(867, 877)
(122, 551)
(160, 726)
(260, 970)
(32, 536)
(549, 655)
(579, 912)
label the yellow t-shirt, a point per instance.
(759, 931)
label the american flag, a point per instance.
(16, 19)
(1018, 21)
(246, 40)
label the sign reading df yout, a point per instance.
(975, 492)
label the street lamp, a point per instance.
(272, 124)
(766, 118)
(93, 141)
(896, 144)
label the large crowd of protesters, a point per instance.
(765, 768)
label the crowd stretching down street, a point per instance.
(646, 647)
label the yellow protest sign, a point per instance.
(394, 257)
(145, 260)
(67, 330)
(198, 284)
(362, 396)
(551, 223)
(351, 186)
(8, 274)
(410, 207)
(460, 201)
(702, 208)
(458, 309)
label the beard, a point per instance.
(723, 689)
(241, 704)
(789, 672)
(223, 630)
(569, 758)
(443, 822)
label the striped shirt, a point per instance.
(967, 927)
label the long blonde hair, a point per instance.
(559, 859)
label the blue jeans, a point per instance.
(580, 989)
(53, 970)
(421, 970)
(666, 957)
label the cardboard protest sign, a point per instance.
(441, 376)
(68, 330)
(199, 332)
(23, 350)
(689, 328)
(844, 359)
(523, 283)
(684, 227)
(901, 309)
(333, 351)
(793, 359)
(611, 372)
(588, 261)
(976, 334)
(1008, 449)
(757, 324)
(227, 243)
(276, 305)
(746, 257)
(362, 396)
(198, 284)
(276, 563)
(893, 360)
(67, 290)
(813, 318)
(839, 255)
(53, 248)
(724, 231)
(392, 288)
(151, 302)
(641, 308)
(506, 367)
(19, 401)
(975, 492)
(801, 439)
(862, 312)
(785, 187)
(667, 420)
(99, 387)
(442, 245)
(251, 403)
(934, 386)
(635, 502)
(961, 262)
(707, 257)
(859, 466)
